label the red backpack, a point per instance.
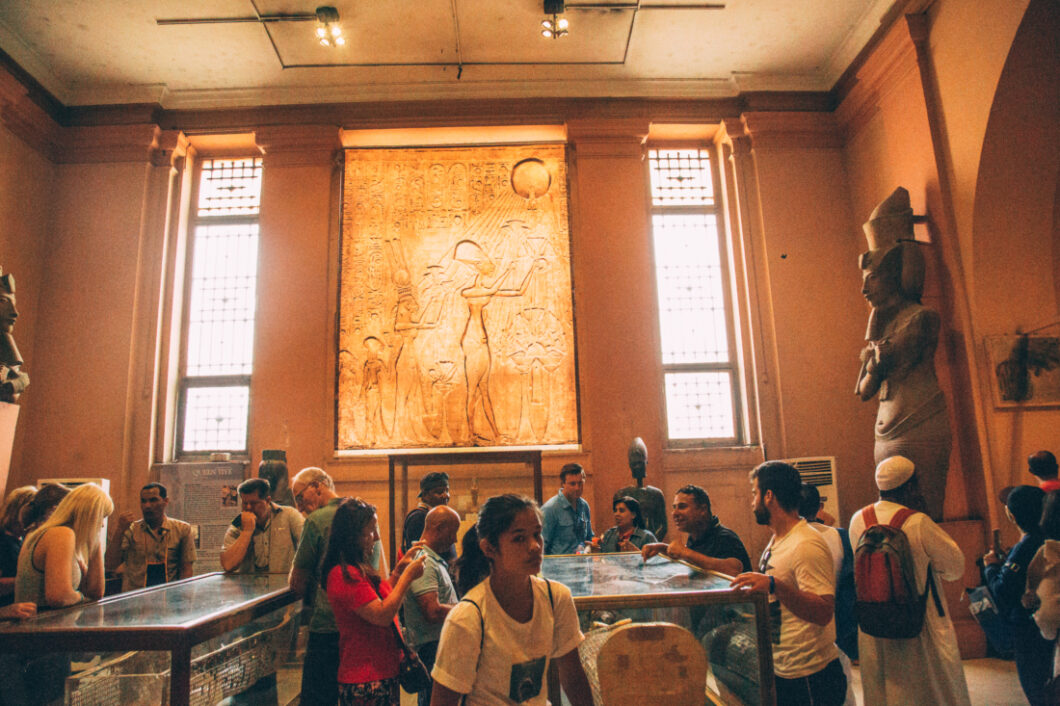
(888, 603)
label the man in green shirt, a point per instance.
(314, 493)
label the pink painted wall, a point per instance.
(26, 179)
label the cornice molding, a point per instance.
(298, 145)
(892, 61)
(733, 133)
(110, 144)
(608, 137)
(27, 120)
(792, 130)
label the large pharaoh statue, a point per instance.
(652, 502)
(898, 364)
(12, 380)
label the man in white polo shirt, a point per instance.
(796, 571)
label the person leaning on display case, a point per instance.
(264, 537)
(314, 493)
(628, 534)
(61, 562)
(711, 546)
(11, 534)
(153, 550)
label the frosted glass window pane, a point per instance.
(681, 178)
(215, 418)
(230, 187)
(222, 300)
(699, 406)
(690, 284)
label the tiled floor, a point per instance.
(992, 682)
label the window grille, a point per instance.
(218, 351)
(700, 372)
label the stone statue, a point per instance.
(652, 502)
(12, 380)
(273, 468)
(898, 364)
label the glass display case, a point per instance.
(195, 641)
(731, 627)
(474, 476)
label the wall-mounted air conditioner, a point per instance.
(819, 471)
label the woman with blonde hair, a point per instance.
(61, 562)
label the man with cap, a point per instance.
(1042, 465)
(434, 491)
(1007, 578)
(926, 668)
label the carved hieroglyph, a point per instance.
(456, 325)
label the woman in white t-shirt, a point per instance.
(497, 642)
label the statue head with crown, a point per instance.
(12, 380)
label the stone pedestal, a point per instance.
(8, 419)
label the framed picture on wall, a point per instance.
(1024, 370)
(456, 317)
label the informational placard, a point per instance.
(204, 495)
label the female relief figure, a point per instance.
(475, 341)
(898, 363)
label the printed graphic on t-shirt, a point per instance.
(526, 680)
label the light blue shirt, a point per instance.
(565, 527)
(435, 578)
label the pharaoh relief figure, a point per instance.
(898, 360)
(12, 380)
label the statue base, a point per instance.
(8, 420)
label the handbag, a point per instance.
(412, 674)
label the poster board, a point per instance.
(1024, 370)
(456, 318)
(203, 495)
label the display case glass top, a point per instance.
(180, 605)
(600, 575)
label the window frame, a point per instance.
(185, 382)
(733, 366)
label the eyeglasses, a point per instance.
(298, 497)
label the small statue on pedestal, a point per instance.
(898, 362)
(652, 502)
(12, 380)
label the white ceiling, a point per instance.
(89, 52)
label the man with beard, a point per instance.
(710, 546)
(796, 572)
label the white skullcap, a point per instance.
(893, 472)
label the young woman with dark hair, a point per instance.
(365, 606)
(497, 642)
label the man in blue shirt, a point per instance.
(567, 525)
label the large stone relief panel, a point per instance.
(456, 323)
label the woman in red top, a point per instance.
(365, 606)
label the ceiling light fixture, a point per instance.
(329, 32)
(554, 25)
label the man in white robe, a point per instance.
(925, 669)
